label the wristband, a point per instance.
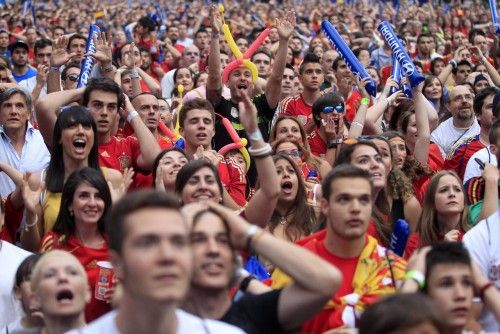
(252, 230)
(264, 151)
(453, 63)
(417, 276)
(133, 74)
(215, 35)
(255, 136)
(334, 143)
(133, 114)
(245, 282)
(483, 289)
(107, 69)
(365, 101)
(483, 60)
(354, 123)
(54, 69)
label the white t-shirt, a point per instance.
(472, 169)
(447, 136)
(187, 324)
(10, 259)
(29, 84)
(167, 84)
(483, 243)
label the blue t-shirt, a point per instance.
(31, 73)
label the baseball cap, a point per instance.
(18, 44)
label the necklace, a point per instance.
(283, 220)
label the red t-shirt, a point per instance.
(414, 243)
(316, 143)
(234, 180)
(458, 159)
(119, 153)
(296, 106)
(88, 257)
(13, 220)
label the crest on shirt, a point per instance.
(234, 112)
(124, 161)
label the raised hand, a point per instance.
(215, 19)
(286, 25)
(103, 49)
(248, 112)
(41, 75)
(362, 86)
(31, 197)
(59, 55)
(117, 193)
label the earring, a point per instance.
(71, 213)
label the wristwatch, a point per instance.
(334, 143)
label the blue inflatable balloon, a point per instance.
(349, 57)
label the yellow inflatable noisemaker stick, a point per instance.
(180, 89)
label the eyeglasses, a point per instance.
(296, 153)
(330, 109)
(73, 77)
(194, 53)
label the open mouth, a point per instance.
(242, 86)
(64, 295)
(79, 143)
(212, 267)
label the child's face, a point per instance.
(238, 160)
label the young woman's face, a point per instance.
(87, 205)
(434, 91)
(77, 141)
(290, 149)
(367, 158)
(62, 289)
(450, 286)
(201, 186)
(169, 166)
(289, 181)
(364, 57)
(449, 197)
(288, 129)
(184, 78)
(398, 148)
(411, 131)
(385, 151)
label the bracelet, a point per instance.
(262, 152)
(334, 143)
(453, 63)
(365, 101)
(417, 276)
(355, 123)
(250, 234)
(131, 115)
(133, 74)
(483, 289)
(215, 34)
(483, 60)
(255, 136)
(107, 69)
(245, 282)
(28, 226)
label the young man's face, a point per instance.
(486, 118)
(463, 72)
(103, 107)
(425, 45)
(78, 46)
(4, 40)
(263, 63)
(4, 76)
(287, 82)
(71, 80)
(146, 60)
(312, 76)
(198, 128)
(20, 57)
(43, 55)
(155, 263)
(212, 255)
(349, 208)
(450, 286)
(14, 113)
(136, 54)
(201, 40)
(240, 79)
(147, 107)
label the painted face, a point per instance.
(367, 158)
(349, 208)
(398, 148)
(62, 288)
(201, 186)
(289, 181)
(449, 197)
(450, 287)
(88, 205)
(212, 255)
(169, 166)
(155, 264)
(288, 129)
(77, 141)
(237, 159)
(385, 152)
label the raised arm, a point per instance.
(490, 200)
(314, 280)
(58, 58)
(495, 76)
(421, 151)
(47, 109)
(376, 111)
(261, 207)
(149, 146)
(285, 28)
(359, 120)
(214, 80)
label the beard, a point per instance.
(465, 115)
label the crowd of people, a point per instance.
(223, 170)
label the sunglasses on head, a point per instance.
(295, 153)
(73, 77)
(329, 109)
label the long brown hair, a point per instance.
(274, 129)
(304, 219)
(428, 226)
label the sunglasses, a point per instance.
(296, 153)
(73, 77)
(330, 109)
